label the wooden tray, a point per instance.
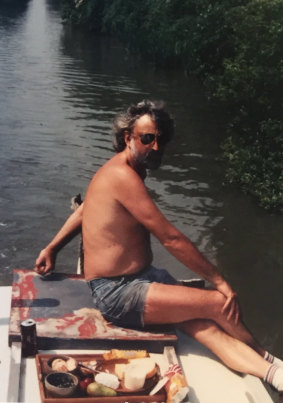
(43, 368)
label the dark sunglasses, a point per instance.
(148, 138)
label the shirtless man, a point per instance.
(117, 218)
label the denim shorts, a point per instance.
(121, 299)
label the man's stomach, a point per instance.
(107, 263)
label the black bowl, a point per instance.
(61, 384)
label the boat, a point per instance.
(209, 380)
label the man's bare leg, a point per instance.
(234, 353)
(198, 313)
(176, 304)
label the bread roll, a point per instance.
(59, 365)
(71, 364)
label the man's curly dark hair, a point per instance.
(126, 121)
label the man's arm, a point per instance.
(132, 194)
(46, 259)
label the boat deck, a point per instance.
(209, 380)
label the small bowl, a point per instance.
(61, 384)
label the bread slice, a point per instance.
(146, 365)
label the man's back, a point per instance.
(115, 243)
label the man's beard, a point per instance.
(151, 160)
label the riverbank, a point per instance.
(235, 50)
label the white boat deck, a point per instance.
(209, 380)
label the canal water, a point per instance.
(60, 89)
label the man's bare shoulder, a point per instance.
(118, 171)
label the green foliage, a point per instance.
(250, 87)
(87, 13)
(249, 80)
(235, 48)
(257, 166)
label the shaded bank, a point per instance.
(235, 48)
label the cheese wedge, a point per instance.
(120, 370)
(134, 378)
(115, 354)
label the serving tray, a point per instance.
(43, 369)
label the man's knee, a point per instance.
(218, 301)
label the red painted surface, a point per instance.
(62, 308)
(23, 290)
(87, 328)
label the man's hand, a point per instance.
(231, 306)
(45, 262)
